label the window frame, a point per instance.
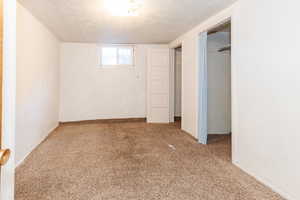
(117, 46)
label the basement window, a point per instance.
(117, 56)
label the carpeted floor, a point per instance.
(133, 161)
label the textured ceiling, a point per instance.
(160, 21)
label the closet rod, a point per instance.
(226, 48)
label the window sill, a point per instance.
(116, 66)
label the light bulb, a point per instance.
(123, 7)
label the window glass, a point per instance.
(109, 56)
(117, 55)
(125, 56)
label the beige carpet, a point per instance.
(133, 161)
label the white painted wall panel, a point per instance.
(266, 59)
(37, 83)
(90, 92)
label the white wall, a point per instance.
(178, 75)
(90, 92)
(266, 60)
(265, 89)
(219, 88)
(37, 83)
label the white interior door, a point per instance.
(158, 82)
(8, 96)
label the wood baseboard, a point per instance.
(117, 120)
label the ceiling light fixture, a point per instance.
(123, 7)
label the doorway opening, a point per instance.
(175, 99)
(177, 85)
(215, 85)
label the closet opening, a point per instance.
(215, 87)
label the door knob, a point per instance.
(4, 156)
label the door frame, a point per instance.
(8, 97)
